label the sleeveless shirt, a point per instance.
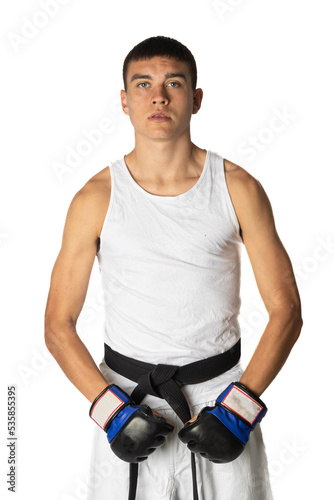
(170, 268)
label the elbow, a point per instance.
(298, 325)
(295, 322)
(55, 333)
(297, 318)
(290, 321)
(50, 335)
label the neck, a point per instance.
(165, 162)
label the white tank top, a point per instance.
(170, 268)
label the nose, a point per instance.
(160, 96)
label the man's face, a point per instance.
(160, 85)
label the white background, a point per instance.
(61, 77)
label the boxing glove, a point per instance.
(221, 432)
(133, 431)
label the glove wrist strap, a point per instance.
(242, 402)
(107, 405)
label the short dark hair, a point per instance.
(161, 46)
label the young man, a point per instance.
(167, 223)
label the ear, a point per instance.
(198, 96)
(124, 102)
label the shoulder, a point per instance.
(248, 196)
(90, 204)
(96, 187)
(241, 181)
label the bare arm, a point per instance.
(274, 277)
(69, 283)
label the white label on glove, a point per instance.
(242, 404)
(105, 407)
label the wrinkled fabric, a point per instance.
(170, 271)
(170, 268)
(166, 474)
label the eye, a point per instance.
(142, 83)
(176, 83)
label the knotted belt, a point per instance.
(165, 382)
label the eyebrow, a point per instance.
(138, 76)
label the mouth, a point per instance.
(159, 117)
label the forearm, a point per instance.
(272, 351)
(74, 359)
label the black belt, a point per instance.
(165, 382)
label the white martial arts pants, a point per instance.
(166, 474)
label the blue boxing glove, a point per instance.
(133, 431)
(221, 432)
